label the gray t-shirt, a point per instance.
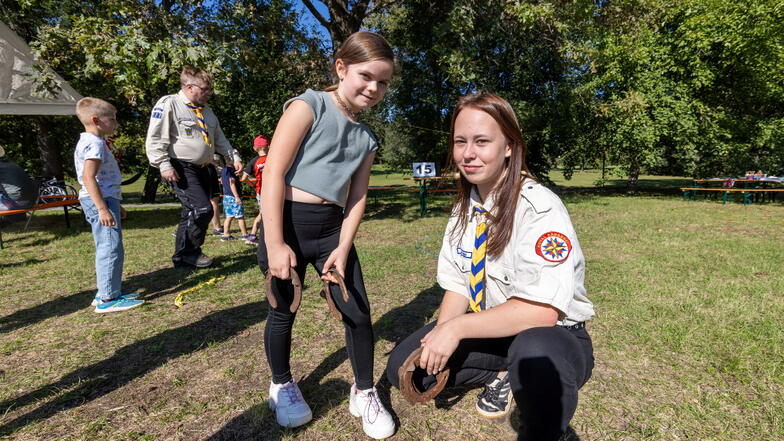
(331, 152)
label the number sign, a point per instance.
(424, 169)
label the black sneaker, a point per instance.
(203, 262)
(496, 400)
(217, 232)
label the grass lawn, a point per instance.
(688, 337)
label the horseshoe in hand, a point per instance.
(407, 387)
(297, 290)
(326, 295)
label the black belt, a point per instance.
(574, 327)
(190, 164)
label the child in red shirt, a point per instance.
(255, 169)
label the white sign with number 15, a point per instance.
(424, 169)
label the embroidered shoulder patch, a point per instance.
(553, 247)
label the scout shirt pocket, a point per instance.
(462, 262)
(499, 278)
(187, 129)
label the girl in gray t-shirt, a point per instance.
(315, 187)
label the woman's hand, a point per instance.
(337, 258)
(281, 260)
(437, 346)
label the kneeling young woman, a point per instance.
(511, 257)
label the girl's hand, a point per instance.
(337, 258)
(437, 346)
(281, 260)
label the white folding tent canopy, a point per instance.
(17, 92)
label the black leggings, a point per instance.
(547, 366)
(313, 232)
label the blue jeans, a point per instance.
(109, 252)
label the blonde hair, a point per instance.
(190, 74)
(88, 107)
(361, 47)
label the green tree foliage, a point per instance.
(455, 47)
(694, 87)
(418, 102)
(268, 61)
(130, 53)
(691, 87)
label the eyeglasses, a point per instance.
(205, 89)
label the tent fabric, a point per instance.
(17, 189)
(17, 90)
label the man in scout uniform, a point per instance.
(183, 136)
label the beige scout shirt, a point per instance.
(174, 133)
(543, 261)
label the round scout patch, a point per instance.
(553, 247)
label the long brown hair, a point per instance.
(361, 47)
(506, 192)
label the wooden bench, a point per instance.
(689, 192)
(67, 201)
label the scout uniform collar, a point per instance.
(181, 95)
(487, 204)
(200, 121)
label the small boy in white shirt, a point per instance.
(100, 178)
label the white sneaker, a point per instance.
(290, 408)
(376, 420)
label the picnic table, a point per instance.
(748, 189)
(426, 186)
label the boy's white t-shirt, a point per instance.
(108, 177)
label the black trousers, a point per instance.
(313, 232)
(193, 190)
(547, 365)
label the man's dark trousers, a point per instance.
(193, 190)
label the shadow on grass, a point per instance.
(148, 218)
(255, 424)
(131, 362)
(52, 229)
(154, 284)
(649, 190)
(402, 203)
(650, 184)
(53, 225)
(392, 326)
(30, 261)
(514, 423)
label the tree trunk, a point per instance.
(48, 148)
(345, 19)
(634, 176)
(151, 185)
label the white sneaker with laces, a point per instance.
(290, 407)
(376, 420)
